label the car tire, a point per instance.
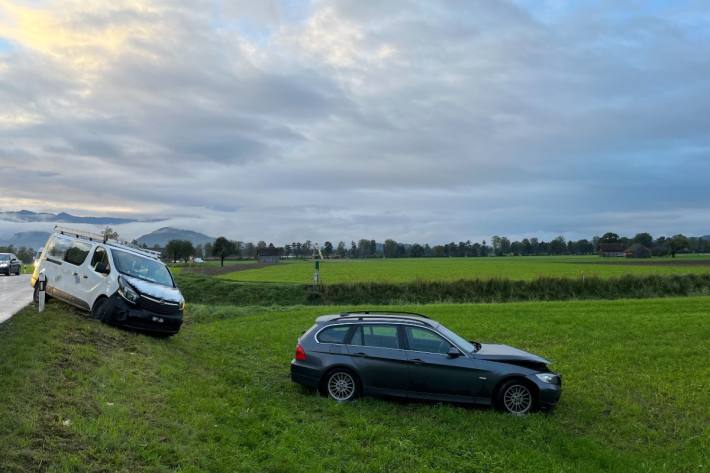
(341, 385)
(516, 397)
(103, 310)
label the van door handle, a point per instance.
(417, 361)
(85, 276)
(360, 354)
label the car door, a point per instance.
(433, 372)
(378, 355)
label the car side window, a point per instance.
(77, 252)
(376, 335)
(335, 334)
(420, 339)
(100, 260)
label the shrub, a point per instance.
(204, 290)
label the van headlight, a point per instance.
(182, 304)
(550, 378)
(126, 291)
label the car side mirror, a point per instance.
(454, 352)
(101, 268)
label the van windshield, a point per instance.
(142, 268)
(4, 257)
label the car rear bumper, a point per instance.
(138, 318)
(305, 375)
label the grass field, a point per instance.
(80, 396)
(449, 269)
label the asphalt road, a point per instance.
(15, 293)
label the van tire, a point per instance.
(103, 310)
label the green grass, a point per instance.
(80, 396)
(451, 269)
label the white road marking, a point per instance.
(15, 293)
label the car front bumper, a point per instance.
(137, 318)
(548, 394)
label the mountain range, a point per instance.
(27, 216)
(160, 237)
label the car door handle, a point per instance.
(417, 361)
(360, 354)
(85, 276)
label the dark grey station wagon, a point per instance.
(411, 356)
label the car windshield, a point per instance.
(4, 257)
(462, 343)
(141, 267)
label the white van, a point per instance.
(118, 283)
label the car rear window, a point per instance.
(335, 334)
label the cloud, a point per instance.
(415, 120)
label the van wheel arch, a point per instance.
(99, 310)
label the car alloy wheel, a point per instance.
(341, 386)
(517, 399)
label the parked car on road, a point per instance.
(9, 264)
(118, 283)
(411, 356)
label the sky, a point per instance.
(414, 120)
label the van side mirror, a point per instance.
(454, 352)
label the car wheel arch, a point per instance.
(514, 377)
(340, 367)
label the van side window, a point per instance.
(57, 248)
(76, 254)
(100, 256)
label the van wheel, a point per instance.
(103, 310)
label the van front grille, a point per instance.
(159, 307)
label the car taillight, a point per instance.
(300, 353)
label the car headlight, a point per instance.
(549, 378)
(182, 304)
(126, 291)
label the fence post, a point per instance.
(42, 282)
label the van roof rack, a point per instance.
(91, 236)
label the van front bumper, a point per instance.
(138, 318)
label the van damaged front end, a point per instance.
(146, 306)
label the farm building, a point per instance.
(269, 255)
(612, 249)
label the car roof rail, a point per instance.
(383, 312)
(98, 237)
(376, 314)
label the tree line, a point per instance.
(640, 245)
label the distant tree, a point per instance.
(609, 238)
(327, 249)
(223, 248)
(390, 248)
(678, 243)
(504, 246)
(637, 250)
(341, 251)
(179, 250)
(109, 234)
(558, 246)
(644, 239)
